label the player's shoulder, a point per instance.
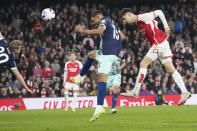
(67, 62)
(78, 62)
(3, 43)
(105, 20)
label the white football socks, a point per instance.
(66, 97)
(140, 79)
(74, 100)
(179, 81)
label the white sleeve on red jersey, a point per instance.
(80, 65)
(148, 17)
(65, 72)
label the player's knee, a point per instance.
(65, 93)
(170, 68)
(75, 94)
(116, 89)
(143, 64)
(102, 78)
(92, 54)
(171, 71)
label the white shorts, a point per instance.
(71, 86)
(105, 62)
(161, 51)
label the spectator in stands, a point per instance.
(37, 71)
(15, 93)
(47, 70)
(144, 90)
(3, 93)
(159, 98)
(172, 89)
(48, 45)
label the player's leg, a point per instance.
(75, 94)
(104, 66)
(66, 96)
(166, 60)
(178, 80)
(150, 56)
(86, 66)
(140, 77)
(102, 80)
(116, 90)
(142, 72)
(88, 63)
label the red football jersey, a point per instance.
(72, 69)
(148, 26)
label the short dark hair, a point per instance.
(124, 11)
(96, 12)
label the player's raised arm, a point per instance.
(152, 15)
(159, 13)
(98, 31)
(97, 18)
(21, 80)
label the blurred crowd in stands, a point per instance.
(47, 46)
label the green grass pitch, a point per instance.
(152, 118)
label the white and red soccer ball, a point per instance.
(48, 14)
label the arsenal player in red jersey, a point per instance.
(72, 69)
(147, 24)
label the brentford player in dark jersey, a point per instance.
(7, 54)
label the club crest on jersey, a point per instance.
(103, 21)
(76, 65)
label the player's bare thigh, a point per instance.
(116, 89)
(92, 54)
(66, 89)
(169, 67)
(102, 77)
(75, 91)
(145, 62)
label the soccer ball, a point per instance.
(48, 14)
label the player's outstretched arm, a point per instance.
(98, 31)
(21, 80)
(159, 13)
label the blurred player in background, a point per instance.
(7, 58)
(160, 48)
(114, 81)
(109, 50)
(72, 69)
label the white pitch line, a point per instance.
(98, 122)
(154, 123)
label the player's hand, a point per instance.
(30, 91)
(167, 31)
(78, 29)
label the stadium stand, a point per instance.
(47, 46)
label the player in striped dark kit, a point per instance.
(108, 53)
(7, 54)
